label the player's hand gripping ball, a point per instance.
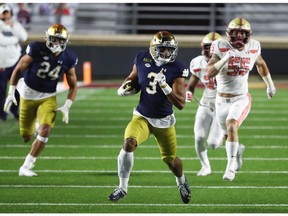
(130, 87)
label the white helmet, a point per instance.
(236, 26)
(207, 41)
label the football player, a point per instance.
(205, 125)
(12, 34)
(44, 64)
(161, 79)
(231, 62)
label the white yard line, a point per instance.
(149, 204)
(83, 136)
(140, 171)
(142, 186)
(147, 146)
(138, 158)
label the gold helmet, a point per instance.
(207, 41)
(57, 38)
(238, 32)
(163, 47)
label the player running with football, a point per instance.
(206, 127)
(44, 64)
(161, 79)
(231, 62)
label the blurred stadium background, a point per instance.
(110, 34)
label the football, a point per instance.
(133, 85)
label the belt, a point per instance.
(212, 104)
(231, 99)
(208, 101)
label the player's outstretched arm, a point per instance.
(72, 82)
(192, 83)
(24, 62)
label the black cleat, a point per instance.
(117, 194)
(185, 192)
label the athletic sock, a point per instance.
(125, 165)
(231, 150)
(202, 152)
(180, 180)
(29, 161)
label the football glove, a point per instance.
(126, 89)
(65, 110)
(10, 98)
(189, 96)
(161, 79)
(270, 92)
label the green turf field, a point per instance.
(78, 168)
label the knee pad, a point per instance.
(42, 139)
(199, 140)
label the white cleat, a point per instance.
(229, 175)
(239, 160)
(204, 171)
(26, 172)
(230, 172)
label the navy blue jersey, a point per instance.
(45, 71)
(153, 102)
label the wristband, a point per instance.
(68, 103)
(218, 65)
(267, 79)
(166, 89)
(11, 89)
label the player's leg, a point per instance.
(231, 149)
(238, 111)
(222, 110)
(201, 129)
(46, 113)
(27, 118)
(215, 136)
(136, 132)
(166, 139)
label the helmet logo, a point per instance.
(57, 38)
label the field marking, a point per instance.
(178, 127)
(138, 158)
(115, 98)
(148, 204)
(142, 186)
(144, 146)
(141, 171)
(182, 136)
(93, 111)
(259, 119)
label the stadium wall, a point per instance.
(112, 56)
